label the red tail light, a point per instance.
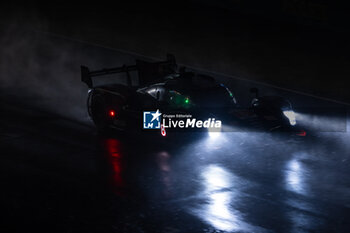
(111, 113)
(302, 133)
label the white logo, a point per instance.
(151, 120)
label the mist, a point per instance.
(45, 68)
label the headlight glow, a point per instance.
(291, 116)
(214, 132)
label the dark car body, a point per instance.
(162, 87)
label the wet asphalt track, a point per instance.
(58, 175)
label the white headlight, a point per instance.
(291, 116)
(214, 132)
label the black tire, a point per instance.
(99, 113)
(100, 116)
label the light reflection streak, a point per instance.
(295, 177)
(114, 156)
(163, 158)
(222, 191)
(217, 211)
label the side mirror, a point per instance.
(255, 91)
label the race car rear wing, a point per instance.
(147, 71)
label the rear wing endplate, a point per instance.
(147, 71)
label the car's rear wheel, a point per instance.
(106, 113)
(99, 113)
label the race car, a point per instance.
(162, 87)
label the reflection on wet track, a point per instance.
(217, 210)
(238, 182)
(295, 175)
(234, 182)
(114, 156)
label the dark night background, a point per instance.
(59, 175)
(301, 45)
